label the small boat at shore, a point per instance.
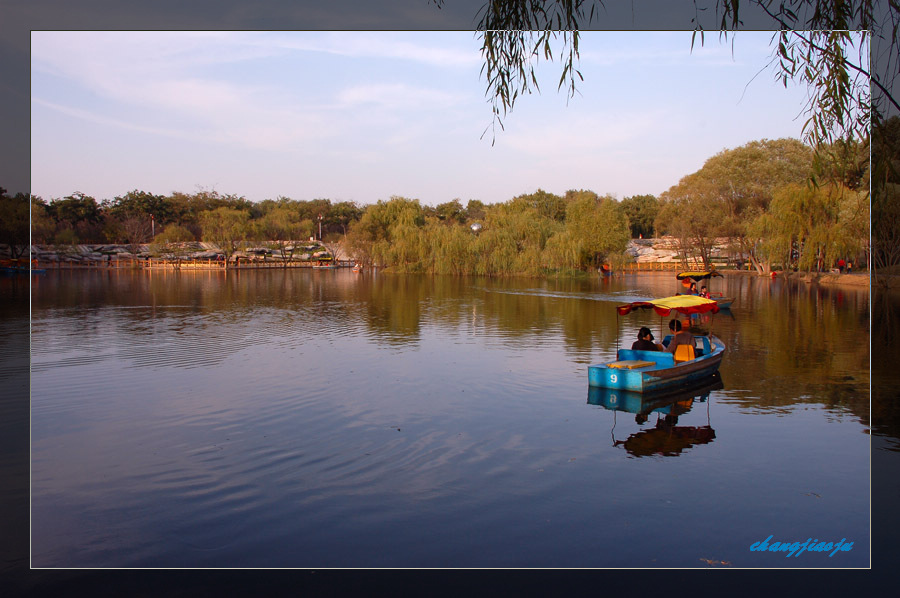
(19, 266)
(687, 277)
(652, 371)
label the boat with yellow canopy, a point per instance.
(698, 276)
(649, 371)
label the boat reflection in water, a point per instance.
(666, 438)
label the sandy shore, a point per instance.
(858, 280)
(843, 280)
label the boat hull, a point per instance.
(724, 302)
(658, 373)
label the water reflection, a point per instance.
(666, 438)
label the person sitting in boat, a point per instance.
(693, 288)
(704, 292)
(681, 336)
(645, 341)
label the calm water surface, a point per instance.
(328, 419)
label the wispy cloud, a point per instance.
(397, 96)
(375, 46)
(107, 121)
(171, 74)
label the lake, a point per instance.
(327, 419)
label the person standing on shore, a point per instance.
(841, 263)
(849, 267)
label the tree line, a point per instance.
(521, 236)
(780, 202)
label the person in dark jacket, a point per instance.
(645, 341)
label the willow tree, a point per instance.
(599, 226)
(388, 234)
(451, 249)
(823, 44)
(282, 227)
(812, 226)
(226, 227)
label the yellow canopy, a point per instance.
(684, 304)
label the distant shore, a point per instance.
(859, 279)
(649, 254)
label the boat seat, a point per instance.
(660, 358)
(684, 353)
(630, 364)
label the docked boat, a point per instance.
(687, 277)
(19, 266)
(652, 371)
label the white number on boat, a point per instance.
(613, 378)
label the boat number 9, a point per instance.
(613, 378)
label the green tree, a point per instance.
(729, 192)
(817, 224)
(598, 226)
(371, 239)
(451, 249)
(175, 233)
(641, 211)
(451, 212)
(692, 212)
(187, 208)
(475, 210)
(226, 227)
(343, 214)
(14, 222)
(173, 240)
(142, 204)
(78, 212)
(42, 225)
(886, 198)
(546, 205)
(844, 162)
(282, 227)
(563, 252)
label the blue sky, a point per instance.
(363, 116)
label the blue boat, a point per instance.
(652, 371)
